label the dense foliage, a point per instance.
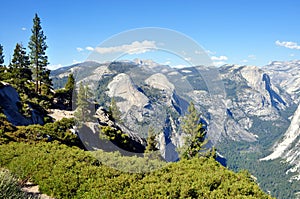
(65, 172)
(59, 131)
(5, 127)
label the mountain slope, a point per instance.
(244, 124)
(288, 146)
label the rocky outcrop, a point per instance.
(137, 143)
(105, 119)
(10, 103)
(58, 114)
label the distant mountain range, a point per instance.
(255, 114)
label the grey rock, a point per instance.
(9, 100)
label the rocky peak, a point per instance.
(123, 87)
(146, 62)
(286, 75)
(161, 82)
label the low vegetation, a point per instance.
(68, 172)
(59, 131)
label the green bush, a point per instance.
(59, 131)
(68, 172)
(5, 127)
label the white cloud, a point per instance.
(251, 56)
(244, 61)
(219, 63)
(292, 55)
(23, 28)
(288, 44)
(79, 49)
(53, 67)
(220, 58)
(135, 47)
(89, 48)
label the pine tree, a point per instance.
(38, 58)
(69, 89)
(19, 68)
(114, 110)
(151, 142)
(82, 112)
(195, 140)
(70, 83)
(1, 56)
(151, 150)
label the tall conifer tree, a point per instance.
(82, 110)
(114, 110)
(195, 140)
(19, 68)
(38, 58)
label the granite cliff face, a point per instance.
(287, 76)
(123, 87)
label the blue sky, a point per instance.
(241, 32)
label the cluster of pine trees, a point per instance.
(28, 72)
